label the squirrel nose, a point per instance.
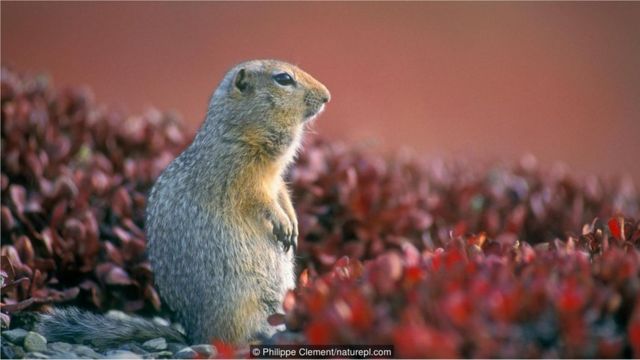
(326, 97)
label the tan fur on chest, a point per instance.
(256, 185)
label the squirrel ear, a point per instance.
(241, 81)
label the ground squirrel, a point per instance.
(221, 227)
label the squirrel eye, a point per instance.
(284, 79)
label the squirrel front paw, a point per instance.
(282, 228)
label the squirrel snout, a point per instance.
(326, 96)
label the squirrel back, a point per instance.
(221, 228)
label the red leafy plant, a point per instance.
(357, 204)
(74, 182)
(439, 258)
(481, 298)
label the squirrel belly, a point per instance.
(221, 228)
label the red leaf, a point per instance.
(117, 276)
(571, 299)
(319, 333)
(303, 279)
(289, 301)
(634, 336)
(7, 219)
(224, 350)
(614, 227)
(151, 294)
(423, 342)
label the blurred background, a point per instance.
(495, 80)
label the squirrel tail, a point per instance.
(77, 326)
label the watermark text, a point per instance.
(321, 351)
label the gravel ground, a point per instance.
(23, 342)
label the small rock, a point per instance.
(159, 355)
(133, 347)
(174, 347)
(60, 355)
(35, 355)
(35, 342)
(16, 336)
(186, 353)
(60, 347)
(96, 343)
(117, 314)
(285, 337)
(122, 354)
(179, 328)
(19, 351)
(204, 349)
(157, 344)
(7, 352)
(85, 351)
(160, 321)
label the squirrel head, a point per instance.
(265, 104)
(284, 90)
